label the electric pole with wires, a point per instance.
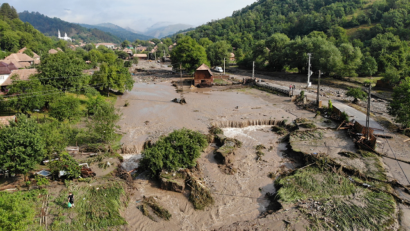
(368, 112)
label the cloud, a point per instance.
(136, 14)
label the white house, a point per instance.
(108, 45)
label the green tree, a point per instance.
(55, 136)
(103, 125)
(188, 53)
(66, 107)
(22, 145)
(351, 58)
(156, 41)
(357, 93)
(399, 107)
(122, 54)
(167, 41)
(205, 42)
(125, 44)
(388, 50)
(111, 76)
(276, 45)
(217, 52)
(62, 71)
(368, 67)
(392, 76)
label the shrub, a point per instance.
(180, 149)
(330, 108)
(65, 163)
(127, 64)
(40, 180)
(345, 117)
(357, 93)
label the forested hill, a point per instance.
(50, 26)
(359, 30)
(16, 34)
(120, 32)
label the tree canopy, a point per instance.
(22, 146)
(188, 53)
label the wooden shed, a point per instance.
(203, 76)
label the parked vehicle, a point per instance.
(218, 69)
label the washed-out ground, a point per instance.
(239, 198)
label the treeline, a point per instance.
(50, 26)
(346, 38)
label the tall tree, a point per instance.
(62, 71)
(112, 76)
(189, 54)
(276, 45)
(351, 58)
(217, 52)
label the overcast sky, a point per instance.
(136, 14)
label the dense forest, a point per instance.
(50, 26)
(120, 32)
(346, 37)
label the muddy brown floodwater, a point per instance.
(238, 197)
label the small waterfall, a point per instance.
(244, 124)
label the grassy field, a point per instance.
(18, 211)
(96, 208)
(332, 201)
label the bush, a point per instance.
(357, 93)
(180, 149)
(330, 108)
(40, 180)
(65, 163)
(345, 117)
(127, 64)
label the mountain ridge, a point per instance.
(49, 26)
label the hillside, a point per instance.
(118, 31)
(50, 26)
(16, 34)
(348, 34)
(163, 31)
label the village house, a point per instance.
(20, 60)
(7, 79)
(232, 58)
(141, 56)
(108, 45)
(141, 48)
(129, 51)
(36, 57)
(203, 76)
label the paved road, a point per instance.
(355, 114)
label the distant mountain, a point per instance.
(50, 26)
(118, 31)
(163, 31)
(133, 31)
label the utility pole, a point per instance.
(224, 66)
(309, 72)
(368, 112)
(318, 88)
(253, 70)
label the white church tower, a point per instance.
(66, 38)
